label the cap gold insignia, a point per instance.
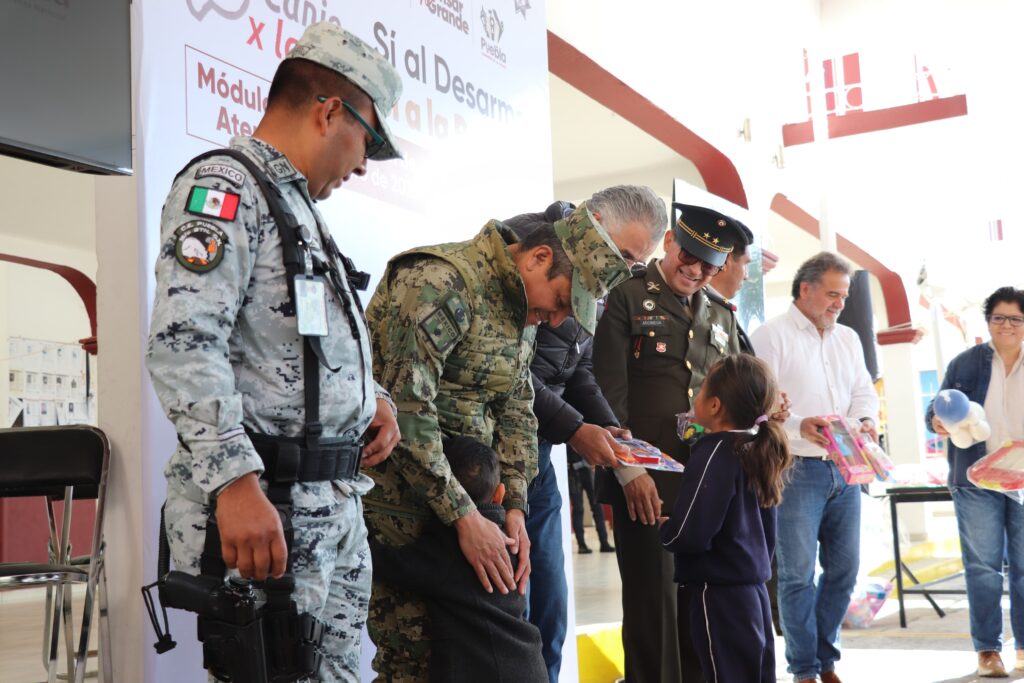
(721, 223)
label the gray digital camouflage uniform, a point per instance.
(224, 354)
(451, 346)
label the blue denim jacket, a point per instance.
(970, 373)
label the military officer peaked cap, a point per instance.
(706, 233)
(597, 264)
(333, 47)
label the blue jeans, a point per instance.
(547, 596)
(990, 522)
(819, 515)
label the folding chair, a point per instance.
(61, 463)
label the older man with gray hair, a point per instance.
(821, 365)
(569, 405)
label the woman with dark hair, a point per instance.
(991, 524)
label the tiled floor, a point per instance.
(930, 650)
(21, 635)
(598, 591)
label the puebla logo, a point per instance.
(493, 29)
(199, 246)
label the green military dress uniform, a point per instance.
(451, 343)
(651, 355)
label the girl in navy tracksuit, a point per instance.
(722, 530)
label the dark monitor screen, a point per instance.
(65, 83)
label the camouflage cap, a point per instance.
(335, 48)
(597, 264)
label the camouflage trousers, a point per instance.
(330, 560)
(397, 622)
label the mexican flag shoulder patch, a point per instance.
(214, 203)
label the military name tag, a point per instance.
(719, 337)
(651, 320)
(311, 306)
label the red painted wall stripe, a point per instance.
(857, 122)
(587, 76)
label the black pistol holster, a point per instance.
(252, 632)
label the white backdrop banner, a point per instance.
(473, 120)
(473, 123)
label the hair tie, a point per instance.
(763, 418)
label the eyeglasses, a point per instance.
(706, 268)
(376, 142)
(998, 320)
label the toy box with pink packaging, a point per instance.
(846, 450)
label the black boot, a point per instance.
(584, 550)
(607, 547)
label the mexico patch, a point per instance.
(199, 246)
(232, 175)
(215, 203)
(446, 324)
(440, 329)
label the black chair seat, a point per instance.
(61, 464)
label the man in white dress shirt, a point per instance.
(821, 366)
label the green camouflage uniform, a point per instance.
(451, 345)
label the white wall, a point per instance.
(47, 217)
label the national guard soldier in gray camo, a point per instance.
(239, 337)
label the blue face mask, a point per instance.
(689, 431)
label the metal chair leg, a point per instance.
(83, 643)
(69, 631)
(54, 636)
(106, 671)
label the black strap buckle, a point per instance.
(289, 459)
(313, 432)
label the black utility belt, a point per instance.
(286, 459)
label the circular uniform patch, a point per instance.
(199, 246)
(648, 304)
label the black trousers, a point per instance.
(651, 637)
(731, 629)
(581, 479)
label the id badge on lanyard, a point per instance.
(311, 305)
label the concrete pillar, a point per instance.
(905, 424)
(120, 328)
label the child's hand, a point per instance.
(781, 409)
